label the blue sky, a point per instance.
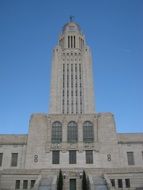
(29, 30)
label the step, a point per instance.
(99, 180)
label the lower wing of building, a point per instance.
(73, 144)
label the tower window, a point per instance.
(68, 41)
(63, 67)
(71, 42)
(74, 41)
(75, 67)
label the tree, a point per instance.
(60, 181)
(84, 182)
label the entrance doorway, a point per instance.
(72, 184)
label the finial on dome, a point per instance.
(71, 18)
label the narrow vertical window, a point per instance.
(56, 157)
(1, 158)
(71, 42)
(68, 42)
(17, 184)
(74, 41)
(89, 156)
(112, 182)
(80, 88)
(72, 156)
(130, 158)
(71, 88)
(127, 183)
(63, 85)
(14, 159)
(120, 184)
(32, 183)
(25, 184)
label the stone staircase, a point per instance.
(45, 183)
(97, 183)
(48, 183)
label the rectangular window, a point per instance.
(25, 184)
(127, 183)
(17, 184)
(89, 156)
(56, 157)
(14, 159)
(32, 183)
(72, 156)
(130, 157)
(112, 182)
(1, 158)
(74, 41)
(120, 184)
(68, 42)
(71, 42)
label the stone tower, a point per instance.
(72, 84)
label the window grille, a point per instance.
(57, 132)
(72, 156)
(72, 132)
(88, 133)
(56, 157)
(89, 157)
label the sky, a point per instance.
(29, 30)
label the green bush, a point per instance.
(60, 181)
(84, 182)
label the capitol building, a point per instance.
(72, 137)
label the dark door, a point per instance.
(72, 184)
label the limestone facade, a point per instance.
(35, 152)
